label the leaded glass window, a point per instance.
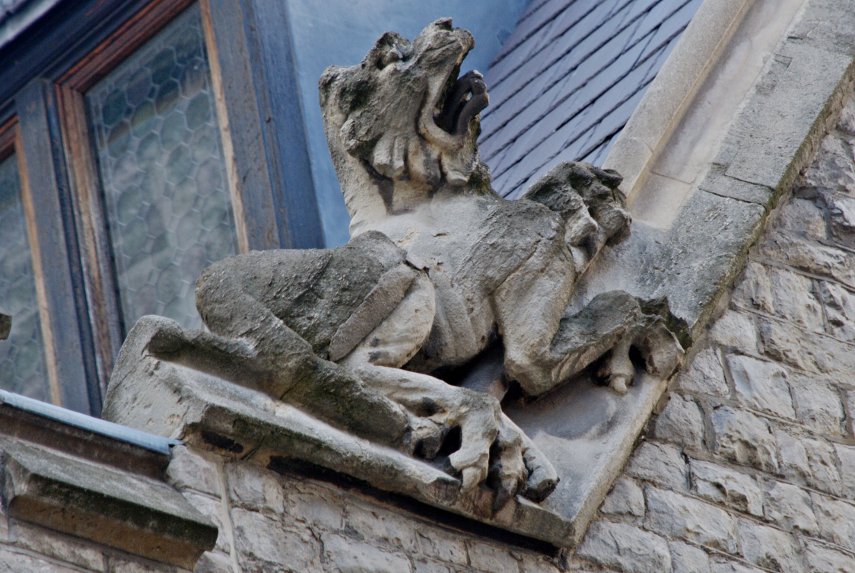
(162, 171)
(22, 360)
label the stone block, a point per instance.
(793, 457)
(119, 564)
(442, 545)
(810, 256)
(540, 565)
(254, 487)
(761, 385)
(781, 293)
(717, 182)
(846, 455)
(57, 546)
(827, 24)
(824, 559)
(705, 375)
(489, 557)
(769, 548)
(778, 121)
(836, 519)
(384, 524)
(213, 509)
(817, 353)
(841, 211)
(726, 486)
(687, 558)
(736, 330)
(625, 498)
(720, 566)
(849, 397)
(822, 461)
(263, 543)
(677, 515)
(424, 565)
(659, 463)
(818, 405)
(353, 556)
(833, 167)
(189, 469)
(213, 562)
(789, 507)
(625, 547)
(840, 310)
(802, 218)
(744, 438)
(681, 422)
(321, 509)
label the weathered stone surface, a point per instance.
(819, 353)
(489, 557)
(809, 256)
(188, 469)
(687, 558)
(833, 167)
(802, 217)
(681, 422)
(744, 438)
(727, 487)
(676, 515)
(254, 488)
(769, 548)
(267, 544)
(735, 330)
(57, 546)
(817, 405)
(625, 498)
(840, 310)
(661, 463)
(625, 547)
(846, 455)
(761, 385)
(720, 566)
(789, 506)
(352, 556)
(704, 375)
(823, 559)
(782, 293)
(793, 457)
(822, 461)
(836, 520)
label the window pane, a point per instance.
(22, 361)
(162, 171)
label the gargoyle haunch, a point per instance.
(441, 275)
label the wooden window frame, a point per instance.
(11, 143)
(42, 83)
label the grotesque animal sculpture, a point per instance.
(441, 273)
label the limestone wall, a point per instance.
(750, 466)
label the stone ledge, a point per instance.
(63, 476)
(205, 411)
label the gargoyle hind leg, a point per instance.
(544, 348)
(436, 406)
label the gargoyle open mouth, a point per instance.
(460, 101)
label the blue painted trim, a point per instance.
(80, 421)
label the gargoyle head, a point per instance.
(403, 114)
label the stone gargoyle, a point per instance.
(392, 336)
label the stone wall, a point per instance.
(750, 465)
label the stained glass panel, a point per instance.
(22, 360)
(162, 171)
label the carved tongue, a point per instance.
(467, 97)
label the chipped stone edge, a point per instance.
(672, 91)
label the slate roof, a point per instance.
(567, 80)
